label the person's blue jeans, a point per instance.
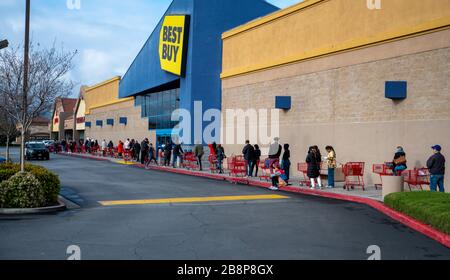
(175, 159)
(437, 181)
(250, 168)
(398, 170)
(331, 177)
(219, 165)
(287, 169)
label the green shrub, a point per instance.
(431, 208)
(5, 174)
(22, 190)
(49, 181)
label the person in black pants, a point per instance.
(256, 160)
(137, 150)
(177, 154)
(167, 154)
(286, 162)
(144, 150)
(248, 153)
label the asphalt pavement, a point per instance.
(244, 223)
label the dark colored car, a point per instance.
(36, 151)
(2, 160)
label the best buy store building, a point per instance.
(340, 72)
(363, 80)
(181, 62)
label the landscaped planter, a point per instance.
(392, 184)
(24, 211)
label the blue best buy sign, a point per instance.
(185, 51)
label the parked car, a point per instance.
(48, 143)
(36, 150)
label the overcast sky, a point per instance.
(108, 34)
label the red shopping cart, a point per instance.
(265, 170)
(417, 178)
(237, 170)
(354, 175)
(213, 163)
(304, 179)
(382, 169)
(190, 161)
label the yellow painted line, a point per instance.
(126, 162)
(192, 199)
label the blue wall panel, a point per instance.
(209, 19)
(283, 102)
(396, 90)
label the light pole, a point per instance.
(25, 81)
(4, 44)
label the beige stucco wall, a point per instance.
(80, 114)
(315, 28)
(339, 100)
(137, 127)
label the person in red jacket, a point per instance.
(120, 149)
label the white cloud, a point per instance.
(95, 66)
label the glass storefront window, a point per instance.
(158, 108)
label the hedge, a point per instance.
(49, 181)
(23, 190)
(431, 208)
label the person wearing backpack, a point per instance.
(399, 161)
(220, 157)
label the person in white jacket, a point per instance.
(104, 147)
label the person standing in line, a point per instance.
(110, 145)
(286, 163)
(318, 156)
(104, 147)
(213, 149)
(399, 161)
(126, 145)
(331, 163)
(199, 152)
(274, 154)
(436, 165)
(151, 154)
(248, 153)
(220, 157)
(135, 147)
(177, 154)
(313, 168)
(87, 146)
(144, 151)
(167, 154)
(256, 160)
(120, 149)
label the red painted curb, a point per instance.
(408, 221)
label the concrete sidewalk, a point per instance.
(370, 192)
